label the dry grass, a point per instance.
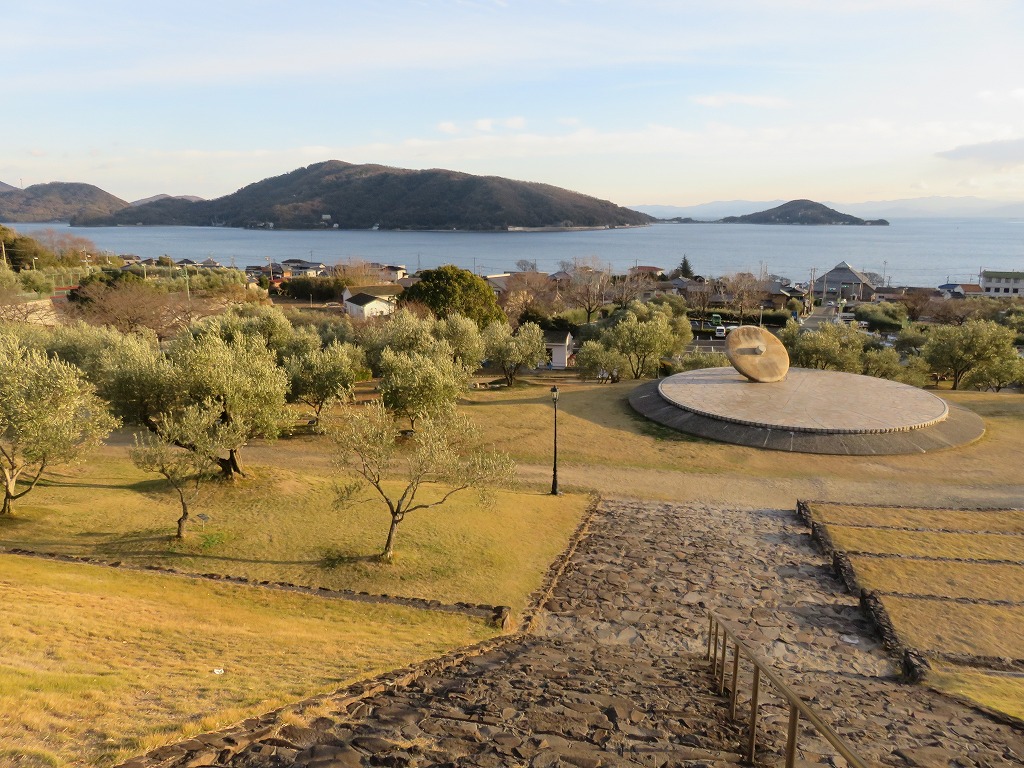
(604, 445)
(1001, 521)
(281, 525)
(1001, 692)
(967, 546)
(938, 626)
(984, 581)
(99, 664)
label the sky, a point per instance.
(641, 102)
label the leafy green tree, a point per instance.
(692, 361)
(184, 469)
(595, 361)
(241, 377)
(465, 339)
(416, 384)
(322, 377)
(49, 414)
(833, 346)
(642, 343)
(1003, 372)
(401, 332)
(911, 339)
(884, 316)
(514, 351)
(449, 290)
(958, 350)
(445, 450)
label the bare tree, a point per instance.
(588, 285)
(746, 292)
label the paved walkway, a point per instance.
(612, 675)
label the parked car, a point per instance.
(720, 332)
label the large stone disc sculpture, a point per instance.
(757, 354)
(762, 402)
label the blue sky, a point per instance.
(639, 102)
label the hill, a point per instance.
(57, 201)
(801, 212)
(6, 188)
(154, 198)
(347, 196)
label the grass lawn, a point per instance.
(281, 525)
(1004, 693)
(1000, 521)
(98, 664)
(604, 444)
(940, 626)
(985, 581)
(968, 546)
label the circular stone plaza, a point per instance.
(809, 411)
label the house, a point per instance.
(844, 282)
(1001, 284)
(647, 271)
(559, 348)
(363, 306)
(303, 268)
(384, 291)
(364, 302)
(778, 293)
(961, 290)
(389, 272)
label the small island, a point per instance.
(803, 212)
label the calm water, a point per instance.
(910, 251)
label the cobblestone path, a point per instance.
(614, 675)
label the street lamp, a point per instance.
(554, 466)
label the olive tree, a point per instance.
(184, 469)
(957, 350)
(513, 351)
(641, 342)
(595, 361)
(323, 377)
(445, 450)
(49, 414)
(413, 384)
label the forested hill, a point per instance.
(801, 212)
(56, 201)
(365, 196)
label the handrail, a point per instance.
(797, 706)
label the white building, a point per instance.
(1006, 285)
(363, 306)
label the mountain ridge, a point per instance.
(802, 213)
(56, 201)
(336, 194)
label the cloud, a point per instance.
(745, 100)
(448, 127)
(1002, 97)
(484, 124)
(1002, 154)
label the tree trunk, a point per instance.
(389, 546)
(182, 520)
(230, 467)
(6, 510)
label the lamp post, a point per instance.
(554, 465)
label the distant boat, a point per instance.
(375, 227)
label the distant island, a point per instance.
(803, 212)
(338, 195)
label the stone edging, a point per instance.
(219, 746)
(497, 614)
(915, 666)
(913, 662)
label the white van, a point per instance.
(720, 332)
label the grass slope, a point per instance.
(99, 664)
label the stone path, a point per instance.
(613, 675)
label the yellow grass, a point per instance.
(281, 525)
(1005, 521)
(938, 626)
(604, 445)
(985, 581)
(99, 664)
(1001, 692)
(969, 546)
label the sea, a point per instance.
(911, 251)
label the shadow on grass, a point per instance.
(331, 559)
